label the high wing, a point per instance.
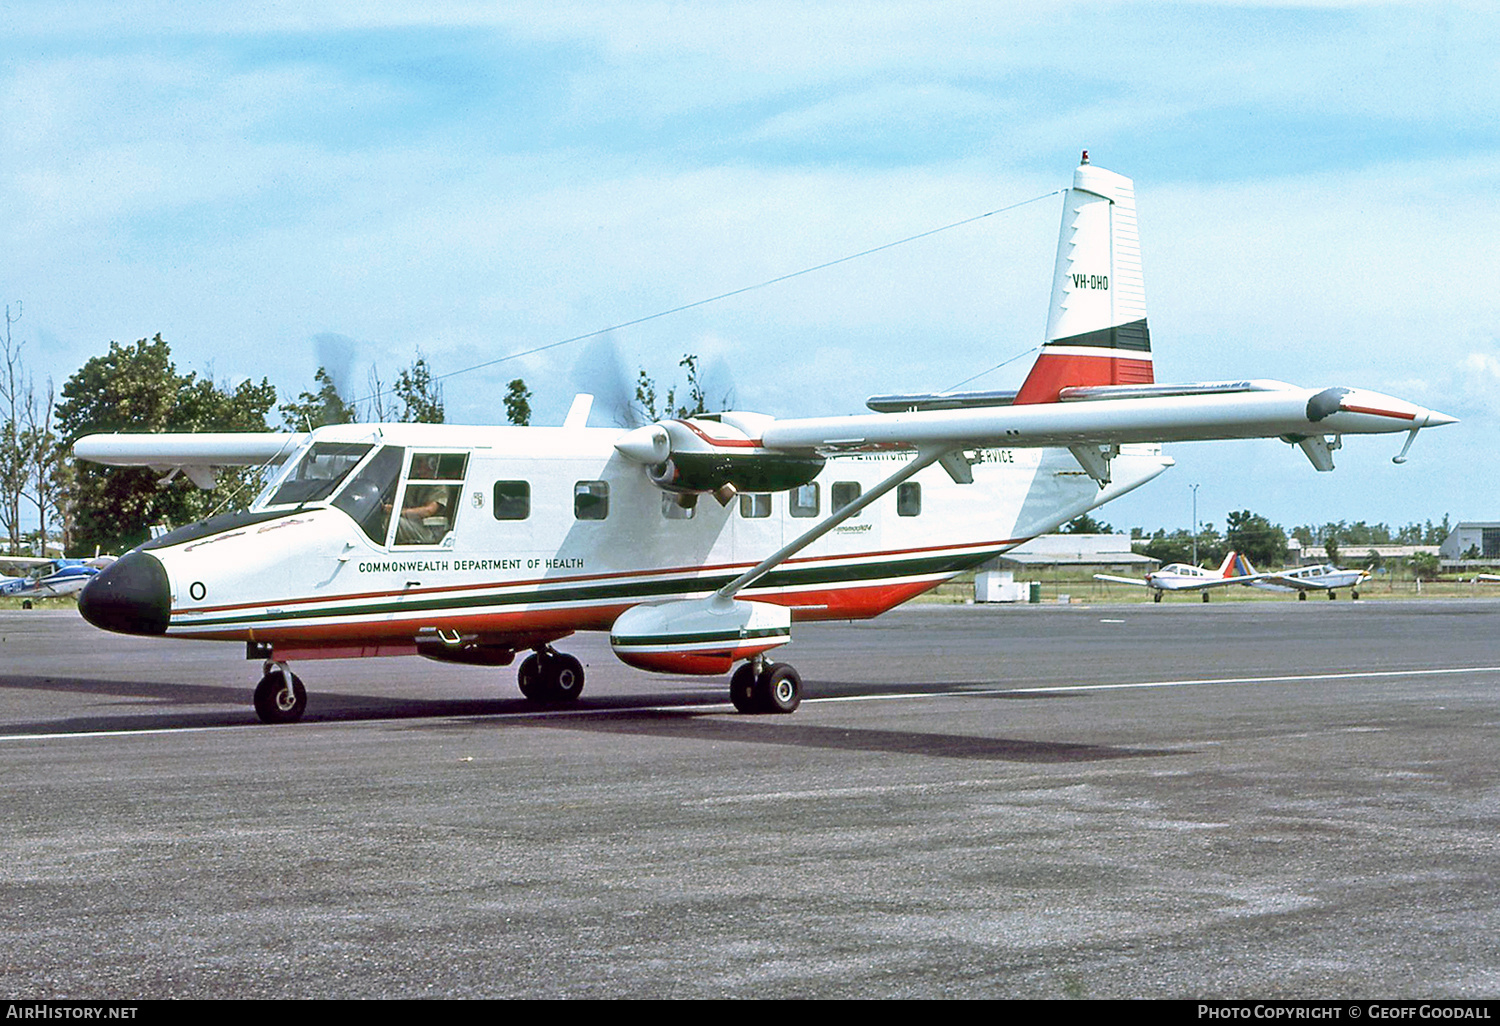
(195, 455)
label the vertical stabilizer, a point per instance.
(1096, 328)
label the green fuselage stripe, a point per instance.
(605, 592)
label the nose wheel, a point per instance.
(550, 676)
(761, 687)
(280, 696)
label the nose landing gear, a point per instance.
(280, 696)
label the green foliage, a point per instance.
(697, 400)
(1424, 566)
(1360, 534)
(1255, 538)
(518, 403)
(1086, 524)
(420, 396)
(314, 409)
(137, 388)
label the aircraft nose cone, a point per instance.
(130, 596)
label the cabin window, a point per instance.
(803, 501)
(512, 500)
(755, 505)
(674, 510)
(591, 500)
(369, 497)
(843, 493)
(908, 499)
(433, 484)
(319, 472)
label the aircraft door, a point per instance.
(430, 503)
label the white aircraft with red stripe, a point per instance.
(1186, 577)
(478, 544)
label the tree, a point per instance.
(314, 409)
(518, 403)
(137, 388)
(1085, 524)
(1424, 565)
(421, 397)
(1255, 538)
(646, 396)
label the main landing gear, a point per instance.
(762, 687)
(550, 676)
(280, 696)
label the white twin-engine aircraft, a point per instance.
(475, 544)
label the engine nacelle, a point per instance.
(701, 636)
(701, 455)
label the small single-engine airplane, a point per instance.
(475, 544)
(48, 578)
(1187, 577)
(1323, 577)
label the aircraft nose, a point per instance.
(130, 596)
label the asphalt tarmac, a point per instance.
(1246, 800)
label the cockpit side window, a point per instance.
(319, 472)
(433, 485)
(369, 496)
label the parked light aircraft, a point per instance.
(1186, 577)
(476, 544)
(1323, 577)
(48, 578)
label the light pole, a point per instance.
(1195, 524)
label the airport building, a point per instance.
(1472, 540)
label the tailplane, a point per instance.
(1096, 329)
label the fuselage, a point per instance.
(527, 534)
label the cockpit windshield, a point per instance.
(319, 472)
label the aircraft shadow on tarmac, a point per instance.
(686, 725)
(165, 706)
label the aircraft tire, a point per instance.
(778, 689)
(742, 689)
(273, 703)
(1156, 597)
(1354, 594)
(1301, 596)
(551, 677)
(26, 603)
(529, 679)
(564, 676)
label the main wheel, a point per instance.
(1156, 596)
(1354, 594)
(778, 689)
(1205, 596)
(548, 676)
(529, 678)
(564, 676)
(278, 700)
(742, 688)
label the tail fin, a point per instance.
(1096, 331)
(1242, 567)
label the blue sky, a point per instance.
(275, 186)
